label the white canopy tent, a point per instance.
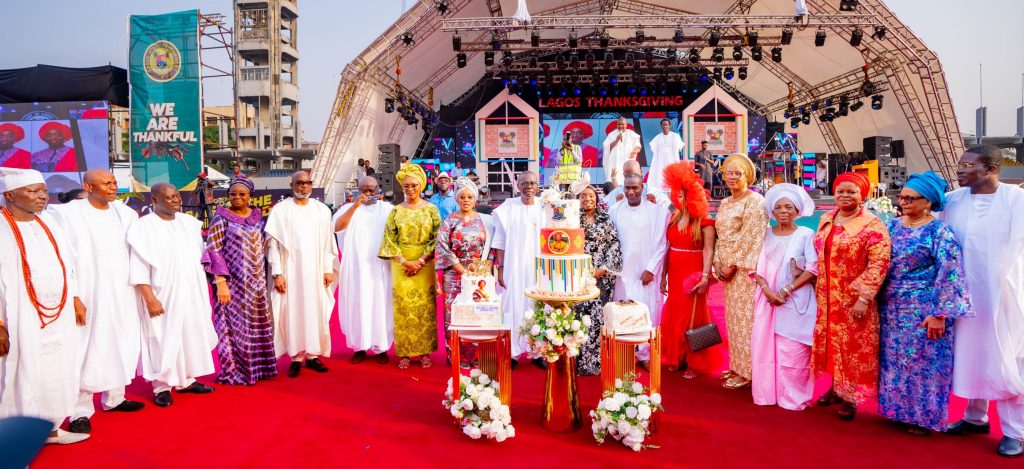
(916, 109)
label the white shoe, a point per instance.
(66, 438)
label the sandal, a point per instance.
(425, 362)
(727, 374)
(847, 410)
(919, 431)
(403, 363)
(828, 398)
(689, 374)
(736, 382)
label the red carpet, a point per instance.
(370, 415)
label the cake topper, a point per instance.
(478, 268)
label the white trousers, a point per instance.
(160, 386)
(1011, 415)
(85, 408)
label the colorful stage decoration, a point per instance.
(478, 408)
(720, 119)
(626, 414)
(164, 73)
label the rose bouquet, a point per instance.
(881, 204)
(478, 407)
(625, 414)
(550, 332)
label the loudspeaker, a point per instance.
(388, 153)
(838, 163)
(898, 150)
(889, 174)
(389, 168)
(878, 148)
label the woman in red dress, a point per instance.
(691, 239)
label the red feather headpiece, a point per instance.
(680, 177)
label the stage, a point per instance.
(372, 415)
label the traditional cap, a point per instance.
(14, 178)
(793, 193)
(241, 179)
(858, 179)
(55, 125)
(466, 184)
(582, 126)
(19, 133)
(746, 165)
(931, 186)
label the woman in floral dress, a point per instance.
(601, 242)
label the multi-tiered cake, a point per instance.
(477, 304)
(562, 269)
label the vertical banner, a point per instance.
(164, 73)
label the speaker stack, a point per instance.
(838, 163)
(387, 166)
(878, 148)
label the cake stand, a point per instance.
(561, 398)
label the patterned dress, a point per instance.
(412, 234)
(601, 242)
(926, 278)
(459, 241)
(852, 262)
(246, 333)
(740, 226)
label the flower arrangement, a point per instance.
(552, 331)
(478, 407)
(881, 204)
(625, 414)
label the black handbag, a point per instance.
(704, 336)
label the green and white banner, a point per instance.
(166, 114)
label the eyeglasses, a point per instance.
(732, 173)
(303, 183)
(528, 183)
(908, 199)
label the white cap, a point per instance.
(443, 174)
(14, 178)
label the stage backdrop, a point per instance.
(61, 140)
(164, 73)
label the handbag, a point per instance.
(704, 336)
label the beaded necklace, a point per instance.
(47, 315)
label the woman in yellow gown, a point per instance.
(409, 239)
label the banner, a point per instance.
(164, 73)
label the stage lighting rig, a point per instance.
(612, 79)
(718, 73)
(604, 40)
(507, 59)
(678, 37)
(457, 43)
(794, 123)
(672, 54)
(750, 38)
(715, 38)
(533, 63)
(630, 58)
(806, 119)
(591, 59)
(408, 40)
(718, 54)
(743, 73)
(756, 54)
(787, 36)
(609, 59)
(819, 38)
(574, 42)
(639, 36)
(737, 53)
(694, 55)
(495, 43)
(535, 39)
(389, 105)
(776, 54)
(857, 105)
(856, 37)
(880, 32)
(729, 73)
(876, 102)
(830, 114)
(460, 60)
(489, 58)
(442, 7)
(848, 5)
(649, 57)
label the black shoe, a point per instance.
(294, 369)
(540, 363)
(515, 363)
(964, 427)
(315, 365)
(357, 357)
(127, 406)
(196, 388)
(82, 425)
(163, 399)
(1010, 447)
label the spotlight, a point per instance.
(828, 102)
(595, 78)
(876, 102)
(574, 60)
(506, 58)
(830, 114)
(603, 91)
(819, 38)
(776, 54)
(880, 32)
(562, 91)
(643, 90)
(613, 79)
(806, 119)
(630, 58)
(576, 89)
(590, 60)
(505, 82)
(743, 73)
(535, 39)
(649, 57)
(729, 74)
(389, 105)
(495, 43)
(867, 88)
(703, 74)
(718, 54)
(756, 53)
(533, 62)
(608, 59)
(456, 43)
(604, 40)
(737, 53)
(718, 73)
(856, 37)
(678, 36)
(407, 39)
(632, 88)
(672, 54)
(489, 58)
(560, 61)
(794, 123)
(694, 55)
(573, 40)
(639, 36)
(442, 7)
(663, 89)
(844, 109)
(814, 107)
(716, 37)
(848, 5)
(460, 60)
(787, 36)
(857, 105)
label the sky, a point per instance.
(84, 33)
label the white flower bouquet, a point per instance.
(881, 204)
(550, 332)
(625, 414)
(478, 407)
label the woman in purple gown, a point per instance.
(241, 313)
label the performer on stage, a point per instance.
(364, 280)
(621, 145)
(705, 162)
(58, 157)
(166, 269)
(516, 244)
(988, 350)
(111, 338)
(666, 148)
(303, 257)
(38, 290)
(10, 155)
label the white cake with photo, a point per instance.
(478, 304)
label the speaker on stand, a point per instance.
(387, 166)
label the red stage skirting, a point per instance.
(370, 415)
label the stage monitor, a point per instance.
(62, 140)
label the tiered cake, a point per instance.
(562, 269)
(478, 303)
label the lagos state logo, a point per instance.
(162, 61)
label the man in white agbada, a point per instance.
(111, 337)
(988, 353)
(620, 146)
(641, 225)
(364, 287)
(165, 265)
(303, 256)
(665, 150)
(632, 167)
(38, 372)
(516, 244)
